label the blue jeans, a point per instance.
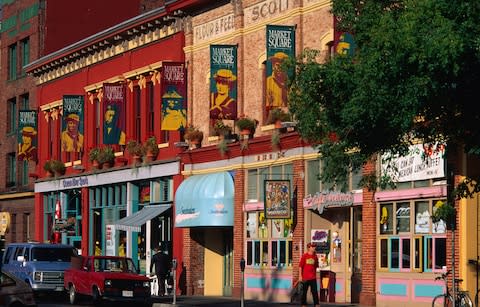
(312, 284)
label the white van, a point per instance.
(41, 265)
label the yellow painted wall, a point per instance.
(213, 266)
(469, 242)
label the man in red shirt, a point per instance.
(308, 274)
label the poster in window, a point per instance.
(252, 226)
(277, 199)
(262, 225)
(277, 228)
(321, 238)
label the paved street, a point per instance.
(191, 301)
(184, 301)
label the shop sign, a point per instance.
(214, 28)
(75, 182)
(266, 10)
(327, 199)
(423, 161)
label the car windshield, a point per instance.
(114, 265)
(52, 254)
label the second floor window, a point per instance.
(12, 115)
(25, 52)
(12, 62)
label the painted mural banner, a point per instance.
(27, 135)
(114, 101)
(173, 93)
(423, 161)
(277, 199)
(280, 46)
(223, 82)
(72, 123)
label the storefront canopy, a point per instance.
(135, 221)
(205, 200)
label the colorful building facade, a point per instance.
(254, 197)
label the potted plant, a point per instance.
(443, 212)
(221, 129)
(246, 125)
(151, 148)
(93, 156)
(106, 156)
(277, 116)
(194, 136)
(53, 166)
(136, 150)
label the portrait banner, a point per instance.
(114, 101)
(277, 199)
(27, 135)
(223, 82)
(72, 123)
(173, 93)
(280, 46)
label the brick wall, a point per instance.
(367, 295)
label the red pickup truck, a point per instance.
(106, 278)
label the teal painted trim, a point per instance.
(393, 289)
(427, 290)
(253, 282)
(281, 283)
(338, 287)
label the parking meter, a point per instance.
(242, 265)
(174, 264)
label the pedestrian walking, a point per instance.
(161, 261)
(308, 274)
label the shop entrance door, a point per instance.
(228, 263)
(218, 250)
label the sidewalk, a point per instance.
(199, 301)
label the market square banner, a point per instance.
(280, 46)
(277, 199)
(72, 123)
(173, 93)
(27, 135)
(223, 82)
(114, 101)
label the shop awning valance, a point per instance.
(205, 200)
(135, 221)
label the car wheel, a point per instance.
(96, 296)
(72, 295)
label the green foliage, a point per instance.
(193, 134)
(246, 123)
(151, 145)
(408, 80)
(443, 211)
(278, 114)
(55, 166)
(135, 148)
(222, 147)
(93, 154)
(106, 155)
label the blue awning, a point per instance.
(134, 221)
(205, 200)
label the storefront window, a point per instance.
(386, 219)
(268, 240)
(404, 249)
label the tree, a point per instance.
(413, 76)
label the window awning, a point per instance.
(135, 221)
(205, 200)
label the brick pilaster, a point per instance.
(368, 296)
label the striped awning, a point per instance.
(135, 221)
